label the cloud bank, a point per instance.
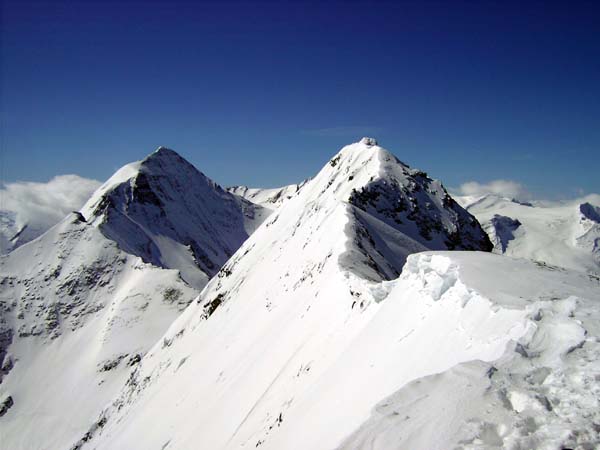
(42, 205)
(504, 188)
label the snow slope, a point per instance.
(277, 318)
(76, 314)
(563, 234)
(447, 356)
(82, 304)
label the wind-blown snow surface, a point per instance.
(82, 304)
(562, 234)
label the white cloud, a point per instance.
(505, 188)
(42, 205)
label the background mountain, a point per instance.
(564, 234)
(268, 198)
(165, 211)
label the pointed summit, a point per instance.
(156, 207)
(368, 141)
(165, 154)
(405, 199)
(162, 149)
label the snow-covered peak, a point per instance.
(368, 141)
(163, 151)
(163, 162)
(372, 179)
(171, 215)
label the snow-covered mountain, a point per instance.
(565, 234)
(343, 321)
(82, 304)
(269, 332)
(165, 211)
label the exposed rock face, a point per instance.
(590, 212)
(411, 202)
(502, 231)
(590, 230)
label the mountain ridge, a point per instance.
(290, 300)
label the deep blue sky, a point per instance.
(264, 93)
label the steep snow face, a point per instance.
(76, 314)
(268, 198)
(283, 310)
(165, 211)
(562, 234)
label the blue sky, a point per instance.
(264, 93)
